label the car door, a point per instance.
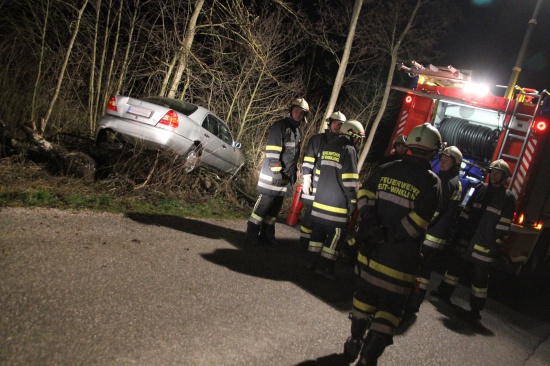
(212, 146)
(231, 154)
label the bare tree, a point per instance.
(63, 68)
(339, 79)
(403, 34)
(182, 56)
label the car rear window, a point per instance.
(178, 105)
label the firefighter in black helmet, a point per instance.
(483, 226)
(336, 195)
(310, 165)
(438, 232)
(396, 203)
(278, 173)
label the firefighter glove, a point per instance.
(277, 179)
(306, 186)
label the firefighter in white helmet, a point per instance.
(396, 204)
(438, 232)
(483, 226)
(399, 149)
(278, 173)
(310, 164)
(336, 195)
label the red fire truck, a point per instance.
(486, 127)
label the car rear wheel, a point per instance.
(192, 159)
(109, 140)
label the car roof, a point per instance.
(182, 107)
(178, 105)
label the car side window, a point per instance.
(211, 124)
(225, 135)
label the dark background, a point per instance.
(487, 38)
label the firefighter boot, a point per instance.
(372, 349)
(253, 233)
(267, 234)
(412, 306)
(353, 344)
(443, 292)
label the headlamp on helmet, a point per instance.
(353, 128)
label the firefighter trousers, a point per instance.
(266, 209)
(480, 272)
(326, 240)
(418, 294)
(305, 229)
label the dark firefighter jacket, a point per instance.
(336, 183)
(311, 159)
(485, 221)
(396, 203)
(446, 212)
(282, 152)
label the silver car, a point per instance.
(189, 130)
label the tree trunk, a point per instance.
(339, 80)
(185, 49)
(58, 160)
(394, 53)
(63, 67)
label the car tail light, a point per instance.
(111, 106)
(170, 119)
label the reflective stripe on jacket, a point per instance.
(337, 183)
(311, 159)
(282, 153)
(447, 211)
(486, 221)
(399, 198)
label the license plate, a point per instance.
(139, 111)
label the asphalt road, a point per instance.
(103, 289)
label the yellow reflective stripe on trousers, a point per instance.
(481, 249)
(434, 239)
(330, 208)
(385, 269)
(387, 316)
(479, 292)
(366, 308)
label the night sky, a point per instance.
(488, 39)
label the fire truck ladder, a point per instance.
(535, 98)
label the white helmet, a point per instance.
(301, 103)
(424, 137)
(399, 139)
(454, 153)
(501, 165)
(352, 128)
(337, 116)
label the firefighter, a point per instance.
(278, 173)
(336, 180)
(396, 204)
(438, 231)
(310, 165)
(483, 226)
(399, 149)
